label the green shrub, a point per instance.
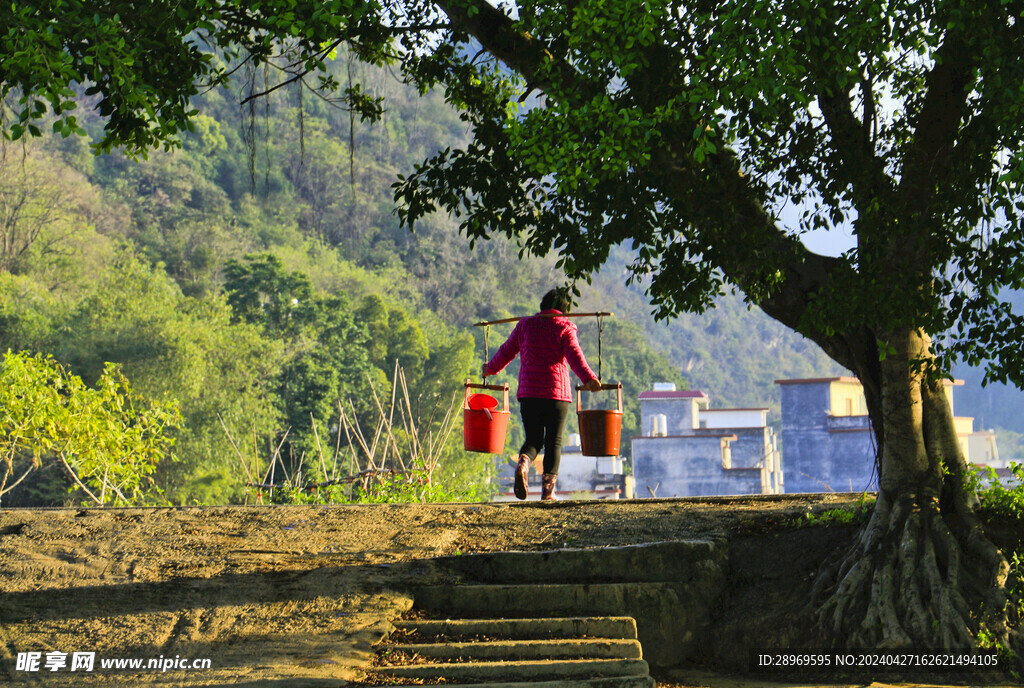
(854, 514)
(107, 438)
(997, 499)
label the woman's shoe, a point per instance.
(522, 470)
(548, 488)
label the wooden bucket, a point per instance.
(600, 429)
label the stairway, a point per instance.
(598, 652)
(559, 619)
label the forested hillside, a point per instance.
(257, 277)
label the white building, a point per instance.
(695, 450)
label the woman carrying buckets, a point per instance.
(547, 347)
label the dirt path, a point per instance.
(281, 596)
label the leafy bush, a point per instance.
(996, 499)
(384, 488)
(108, 438)
(1001, 502)
(851, 515)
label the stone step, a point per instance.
(509, 650)
(653, 562)
(612, 682)
(672, 617)
(622, 627)
(599, 599)
(485, 672)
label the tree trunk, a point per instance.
(921, 572)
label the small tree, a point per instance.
(107, 439)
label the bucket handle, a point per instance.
(496, 388)
(616, 386)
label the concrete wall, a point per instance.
(687, 460)
(733, 418)
(822, 452)
(584, 475)
(850, 465)
(749, 449)
(827, 442)
(805, 405)
(688, 467)
(671, 589)
(847, 398)
(980, 447)
(805, 434)
(576, 472)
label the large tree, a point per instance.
(689, 129)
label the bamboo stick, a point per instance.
(319, 449)
(336, 481)
(601, 314)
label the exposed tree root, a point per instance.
(915, 577)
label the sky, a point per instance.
(829, 243)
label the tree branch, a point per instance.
(853, 150)
(5, 488)
(870, 118)
(937, 125)
(76, 479)
(714, 197)
(275, 87)
(499, 36)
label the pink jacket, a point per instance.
(545, 346)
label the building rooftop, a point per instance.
(843, 378)
(729, 410)
(813, 380)
(683, 394)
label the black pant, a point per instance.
(544, 423)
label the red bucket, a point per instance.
(484, 426)
(600, 429)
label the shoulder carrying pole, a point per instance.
(543, 315)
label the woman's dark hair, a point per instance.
(558, 299)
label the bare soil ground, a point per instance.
(291, 595)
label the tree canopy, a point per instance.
(688, 131)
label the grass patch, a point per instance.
(851, 515)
